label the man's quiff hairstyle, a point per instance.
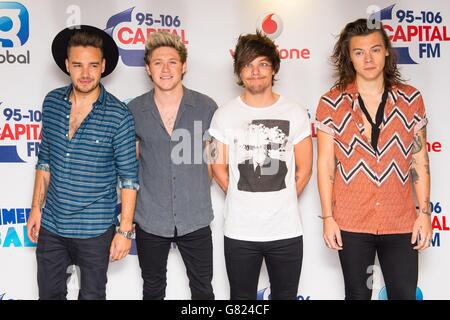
(164, 39)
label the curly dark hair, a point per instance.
(345, 72)
(252, 46)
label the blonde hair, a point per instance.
(164, 39)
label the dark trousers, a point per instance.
(283, 261)
(398, 262)
(56, 254)
(196, 251)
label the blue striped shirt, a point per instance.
(86, 170)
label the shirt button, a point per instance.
(68, 154)
(67, 116)
(377, 204)
(174, 197)
(173, 178)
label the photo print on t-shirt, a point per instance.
(262, 156)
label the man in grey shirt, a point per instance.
(174, 201)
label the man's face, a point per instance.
(165, 68)
(257, 75)
(368, 55)
(85, 66)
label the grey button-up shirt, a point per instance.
(174, 185)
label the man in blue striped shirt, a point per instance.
(87, 150)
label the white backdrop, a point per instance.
(305, 32)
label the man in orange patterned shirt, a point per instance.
(371, 155)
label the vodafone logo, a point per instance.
(271, 24)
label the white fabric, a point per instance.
(248, 131)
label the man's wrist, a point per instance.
(128, 233)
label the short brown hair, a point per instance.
(85, 38)
(343, 65)
(251, 46)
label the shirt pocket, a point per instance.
(96, 150)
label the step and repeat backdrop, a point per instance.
(305, 32)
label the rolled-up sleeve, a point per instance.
(324, 119)
(124, 144)
(43, 162)
(420, 115)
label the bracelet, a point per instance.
(427, 213)
(326, 217)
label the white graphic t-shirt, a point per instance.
(261, 201)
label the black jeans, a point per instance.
(283, 261)
(196, 250)
(398, 262)
(55, 254)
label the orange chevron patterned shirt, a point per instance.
(372, 191)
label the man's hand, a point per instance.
(34, 224)
(332, 234)
(120, 247)
(422, 232)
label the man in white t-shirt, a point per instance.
(262, 159)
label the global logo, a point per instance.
(14, 24)
(382, 295)
(14, 32)
(271, 24)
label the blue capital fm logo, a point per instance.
(14, 25)
(416, 34)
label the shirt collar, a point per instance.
(187, 99)
(352, 90)
(98, 103)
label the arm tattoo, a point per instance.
(414, 175)
(427, 208)
(41, 200)
(332, 177)
(417, 144)
(213, 152)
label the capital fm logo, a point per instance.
(271, 24)
(416, 35)
(132, 27)
(14, 32)
(20, 133)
